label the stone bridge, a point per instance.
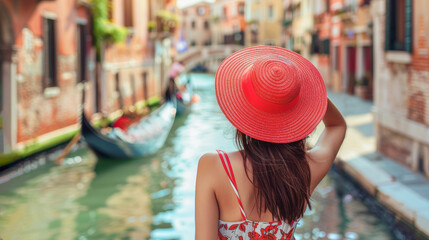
(208, 56)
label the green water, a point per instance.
(152, 197)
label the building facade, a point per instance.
(264, 22)
(302, 25)
(216, 11)
(195, 24)
(232, 21)
(401, 81)
(320, 40)
(46, 57)
(126, 71)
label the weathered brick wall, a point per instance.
(39, 113)
(418, 109)
(395, 146)
(418, 105)
(402, 91)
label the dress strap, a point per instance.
(228, 169)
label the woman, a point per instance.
(275, 98)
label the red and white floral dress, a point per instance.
(247, 229)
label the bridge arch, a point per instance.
(206, 55)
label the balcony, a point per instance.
(287, 22)
(347, 13)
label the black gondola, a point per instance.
(151, 132)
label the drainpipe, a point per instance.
(10, 107)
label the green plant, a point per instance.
(151, 26)
(215, 18)
(363, 81)
(167, 20)
(103, 29)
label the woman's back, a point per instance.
(235, 194)
(275, 99)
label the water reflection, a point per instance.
(153, 197)
(45, 205)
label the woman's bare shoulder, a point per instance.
(208, 168)
(208, 161)
(211, 160)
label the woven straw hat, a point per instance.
(271, 94)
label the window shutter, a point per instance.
(408, 26)
(387, 40)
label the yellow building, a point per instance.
(264, 22)
(302, 26)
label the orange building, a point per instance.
(195, 24)
(232, 21)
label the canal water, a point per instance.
(153, 197)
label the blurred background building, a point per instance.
(195, 24)
(118, 51)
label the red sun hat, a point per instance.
(271, 94)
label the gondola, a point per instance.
(184, 103)
(142, 138)
(183, 108)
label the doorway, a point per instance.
(350, 70)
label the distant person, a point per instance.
(175, 70)
(275, 98)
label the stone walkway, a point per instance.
(402, 191)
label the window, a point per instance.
(201, 11)
(365, 2)
(325, 49)
(241, 8)
(81, 52)
(315, 43)
(128, 13)
(224, 12)
(206, 24)
(271, 12)
(398, 25)
(193, 24)
(49, 54)
(145, 94)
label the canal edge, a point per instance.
(409, 210)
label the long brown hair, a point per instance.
(280, 174)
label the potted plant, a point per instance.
(362, 88)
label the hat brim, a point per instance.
(289, 126)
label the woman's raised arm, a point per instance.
(321, 157)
